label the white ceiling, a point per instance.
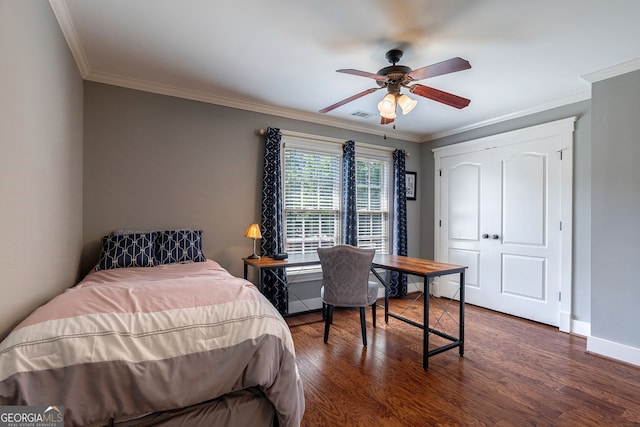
(280, 56)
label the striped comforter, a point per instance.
(132, 341)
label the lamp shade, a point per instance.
(407, 104)
(253, 232)
(387, 106)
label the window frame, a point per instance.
(335, 148)
(313, 147)
(374, 155)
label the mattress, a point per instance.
(128, 342)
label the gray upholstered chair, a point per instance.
(345, 283)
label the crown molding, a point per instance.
(209, 98)
(613, 71)
(560, 102)
(65, 22)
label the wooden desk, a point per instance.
(415, 266)
(267, 263)
(427, 270)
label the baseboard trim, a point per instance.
(613, 350)
(579, 327)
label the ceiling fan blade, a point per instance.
(349, 99)
(445, 67)
(440, 96)
(386, 121)
(377, 77)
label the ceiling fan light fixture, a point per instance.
(407, 104)
(387, 106)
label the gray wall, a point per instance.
(581, 298)
(40, 160)
(153, 161)
(615, 205)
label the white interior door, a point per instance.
(500, 216)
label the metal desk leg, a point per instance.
(246, 274)
(462, 289)
(386, 303)
(425, 329)
(260, 280)
(386, 294)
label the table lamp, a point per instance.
(253, 232)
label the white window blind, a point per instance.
(372, 202)
(312, 185)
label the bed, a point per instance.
(162, 344)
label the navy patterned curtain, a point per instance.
(349, 212)
(398, 281)
(274, 281)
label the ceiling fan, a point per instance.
(395, 77)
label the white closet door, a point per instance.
(500, 213)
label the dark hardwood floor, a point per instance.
(513, 373)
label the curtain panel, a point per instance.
(274, 281)
(398, 281)
(349, 212)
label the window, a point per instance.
(311, 200)
(312, 193)
(372, 204)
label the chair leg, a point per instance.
(373, 313)
(364, 326)
(327, 322)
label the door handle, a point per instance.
(495, 236)
(485, 236)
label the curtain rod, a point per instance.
(332, 140)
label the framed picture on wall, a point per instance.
(411, 182)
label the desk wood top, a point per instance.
(292, 261)
(404, 264)
(418, 266)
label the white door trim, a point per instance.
(561, 128)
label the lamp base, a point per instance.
(254, 255)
